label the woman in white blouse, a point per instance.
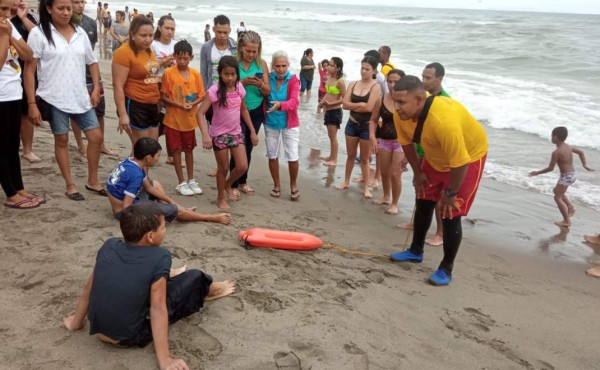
(61, 50)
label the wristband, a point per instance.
(449, 193)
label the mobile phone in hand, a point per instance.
(259, 75)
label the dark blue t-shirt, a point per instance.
(120, 295)
(126, 179)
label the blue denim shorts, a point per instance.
(59, 121)
(305, 84)
(359, 130)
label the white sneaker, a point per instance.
(184, 189)
(193, 185)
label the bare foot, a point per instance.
(31, 157)
(342, 186)
(330, 163)
(358, 178)
(212, 173)
(382, 200)
(367, 194)
(562, 223)
(407, 226)
(326, 159)
(82, 150)
(393, 210)
(593, 239)
(177, 271)
(223, 205)
(220, 289)
(436, 240)
(233, 194)
(190, 208)
(374, 183)
(595, 262)
(594, 271)
(105, 150)
(222, 218)
(571, 212)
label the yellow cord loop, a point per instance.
(359, 253)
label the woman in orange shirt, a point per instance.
(135, 82)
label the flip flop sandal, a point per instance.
(77, 196)
(19, 205)
(100, 192)
(295, 195)
(246, 189)
(275, 193)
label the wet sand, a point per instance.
(519, 299)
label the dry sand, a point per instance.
(516, 301)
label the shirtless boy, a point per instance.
(563, 157)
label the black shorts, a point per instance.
(185, 296)
(333, 117)
(142, 116)
(101, 107)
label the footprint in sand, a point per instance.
(287, 361)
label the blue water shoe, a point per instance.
(407, 256)
(440, 278)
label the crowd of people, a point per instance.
(396, 118)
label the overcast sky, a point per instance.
(562, 6)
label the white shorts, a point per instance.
(290, 137)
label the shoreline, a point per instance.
(321, 309)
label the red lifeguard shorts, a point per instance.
(440, 181)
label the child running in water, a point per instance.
(225, 133)
(563, 157)
(332, 105)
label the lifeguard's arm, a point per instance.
(204, 107)
(550, 167)
(77, 320)
(581, 155)
(159, 321)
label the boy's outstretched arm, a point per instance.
(77, 320)
(159, 320)
(581, 155)
(550, 167)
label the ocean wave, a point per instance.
(583, 192)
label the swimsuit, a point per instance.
(333, 89)
(360, 117)
(567, 179)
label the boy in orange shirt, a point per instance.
(182, 90)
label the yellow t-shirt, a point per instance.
(451, 136)
(181, 90)
(387, 68)
(142, 82)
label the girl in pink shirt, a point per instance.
(225, 133)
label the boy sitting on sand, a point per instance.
(130, 282)
(563, 157)
(128, 184)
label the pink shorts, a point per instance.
(389, 145)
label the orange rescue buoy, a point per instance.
(289, 240)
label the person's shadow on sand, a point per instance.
(561, 237)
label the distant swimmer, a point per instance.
(456, 148)
(563, 157)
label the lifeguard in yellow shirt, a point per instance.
(455, 146)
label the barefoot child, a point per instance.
(331, 103)
(563, 157)
(323, 77)
(182, 90)
(128, 184)
(225, 133)
(131, 281)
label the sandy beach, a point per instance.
(520, 298)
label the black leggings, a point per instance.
(257, 116)
(10, 163)
(452, 233)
